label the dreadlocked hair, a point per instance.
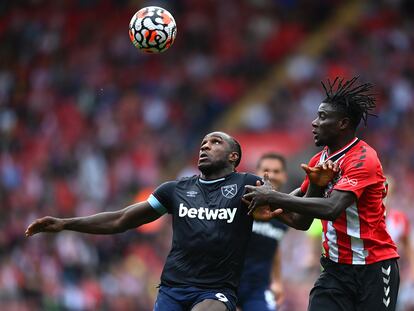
(355, 101)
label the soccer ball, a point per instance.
(152, 29)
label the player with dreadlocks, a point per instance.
(360, 259)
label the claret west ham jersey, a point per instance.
(211, 230)
(358, 236)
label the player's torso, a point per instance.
(211, 229)
(209, 214)
(358, 235)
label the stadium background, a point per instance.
(88, 124)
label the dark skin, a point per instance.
(216, 159)
(334, 130)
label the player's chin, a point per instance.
(318, 142)
(204, 166)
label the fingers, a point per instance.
(35, 227)
(251, 207)
(31, 229)
(249, 188)
(249, 196)
(306, 168)
(329, 164)
(266, 180)
(336, 167)
(276, 212)
(247, 202)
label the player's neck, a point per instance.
(218, 174)
(339, 143)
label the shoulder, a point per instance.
(180, 183)
(247, 178)
(363, 157)
(184, 181)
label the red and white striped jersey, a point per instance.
(358, 236)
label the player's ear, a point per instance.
(344, 123)
(233, 157)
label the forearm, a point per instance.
(311, 207)
(102, 223)
(295, 220)
(314, 191)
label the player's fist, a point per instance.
(321, 174)
(45, 224)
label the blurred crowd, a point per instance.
(379, 49)
(87, 122)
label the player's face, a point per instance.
(275, 170)
(214, 152)
(326, 125)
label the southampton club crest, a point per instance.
(229, 191)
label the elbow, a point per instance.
(119, 225)
(302, 223)
(333, 213)
(303, 227)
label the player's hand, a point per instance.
(265, 213)
(321, 174)
(256, 196)
(277, 290)
(45, 224)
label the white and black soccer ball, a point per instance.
(152, 29)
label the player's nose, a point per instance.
(205, 146)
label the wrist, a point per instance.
(272, 197)
(66, 223)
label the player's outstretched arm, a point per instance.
(103, 223)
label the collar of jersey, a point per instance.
(340, 153)
(203, 181)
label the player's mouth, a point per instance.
(202, 157)
(315, 134)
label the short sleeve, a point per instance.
(305, 184)
(312, 163)
(161, 198)
(251, 179)
(357, 174)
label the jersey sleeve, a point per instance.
(358, 173)
(252, 179)
(161, 198)
(312, 162)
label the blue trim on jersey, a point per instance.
(203, 181)
(155, 204)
